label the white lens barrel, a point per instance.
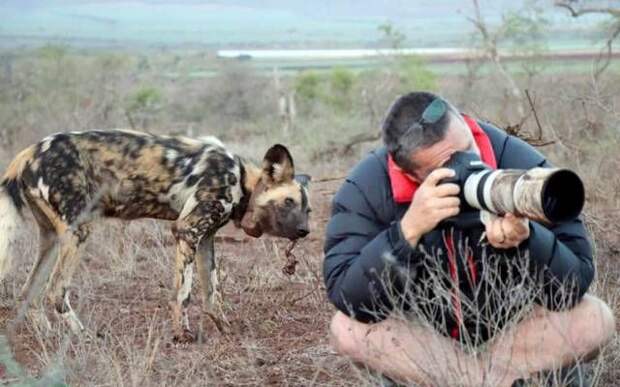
(481, 189)
(548, 195)
(471, 187)
(486, 191)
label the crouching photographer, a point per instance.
(456, 256)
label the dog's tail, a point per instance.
(11, 204)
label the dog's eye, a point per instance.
(289, 202)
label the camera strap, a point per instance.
(455, 296)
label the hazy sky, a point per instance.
(255, 23)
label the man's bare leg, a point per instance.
(406, 352)
(416, 354)
(550, 340)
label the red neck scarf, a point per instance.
(403, 188)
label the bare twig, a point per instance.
(515, 130)
(328, 178)
(585, 10)
(132, 124)
(489, 41)
(604, 58)
(533, 107)
(348, 146)
(313, 290)
(608, 52)
(360, 139)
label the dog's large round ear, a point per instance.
(278, 165)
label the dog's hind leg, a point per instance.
(36, 283)
(47, 239)
(209, 281)
(46, 243)
(71, 243)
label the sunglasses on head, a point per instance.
(431, 115)
(434, 112)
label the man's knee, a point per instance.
(595, 324)
(343, 335)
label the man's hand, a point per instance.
(431, 204)
(504, 232)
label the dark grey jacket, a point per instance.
(365, 225)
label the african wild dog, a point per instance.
(68, 179)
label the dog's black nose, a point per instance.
(302, 232)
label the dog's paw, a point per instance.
(185, 337)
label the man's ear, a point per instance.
(303, 179)
(278, 165)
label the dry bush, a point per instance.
(512, 292)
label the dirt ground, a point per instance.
(278, 332)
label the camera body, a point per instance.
(465, 164)
(548, 195)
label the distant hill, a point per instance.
(252, 23)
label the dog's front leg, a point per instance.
(200, 217)
(183, 286)
(209, 281)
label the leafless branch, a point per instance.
(515, 130)
(360, 139)
(327, 178)
(489, 41)
(576, 12)
(604, 58)
(533, 107)
(345, 149)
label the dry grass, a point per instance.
(279, 323)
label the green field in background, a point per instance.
(292, 67)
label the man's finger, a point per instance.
(509, 243)
(515, 227)
(447, 202)
(505, 245)
(447, 189)
(497, 238)
(494, 232)
(438, 175)
(522, 224)
(507, 229)
(445, 213)
(512, 242)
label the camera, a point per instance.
(548, 195)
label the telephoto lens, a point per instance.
(548, 195)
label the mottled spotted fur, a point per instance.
(68, 179)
